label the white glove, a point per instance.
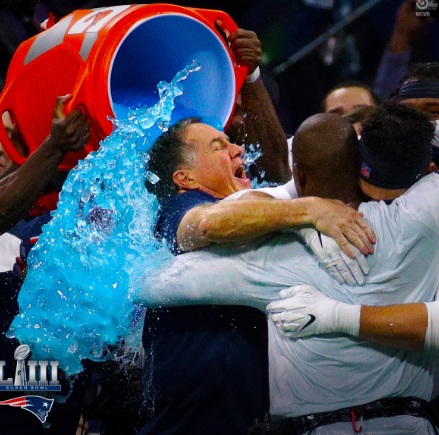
(335, 261)
(305, 311)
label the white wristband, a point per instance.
(251, 78)
(347, 318)
(432, 333)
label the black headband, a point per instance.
(390, 175)
(419, 89)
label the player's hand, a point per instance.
(69, 132)
(347, 270)
(245, 46)
(304, 311)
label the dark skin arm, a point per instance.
(256, 113)
(20, 189)
(263, 127)
(400, 326)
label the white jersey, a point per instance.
(284, 191)
(328, 372)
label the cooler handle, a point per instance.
(5, 106)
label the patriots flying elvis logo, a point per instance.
(37, 405)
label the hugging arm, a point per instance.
(230, 221)
(203, 277)
(412, 326)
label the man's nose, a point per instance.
(236, 150)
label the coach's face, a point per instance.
(219, 165)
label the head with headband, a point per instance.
(420, 88)
(394, 150)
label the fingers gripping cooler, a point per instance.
(113, 58)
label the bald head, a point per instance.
(325, 157)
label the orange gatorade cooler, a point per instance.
(113, 58)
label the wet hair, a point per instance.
(395, 147)
(168, 153)
(422, 71)
(351, 84)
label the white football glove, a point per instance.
(334, 260)
(305, 311)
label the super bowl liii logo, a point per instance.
(30, 375)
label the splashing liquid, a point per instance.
(84, 274)
(78, 296)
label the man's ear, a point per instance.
(431, 168)
(299, 179)
(184, 179)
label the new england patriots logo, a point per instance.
(37, 405)
(365, 170)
